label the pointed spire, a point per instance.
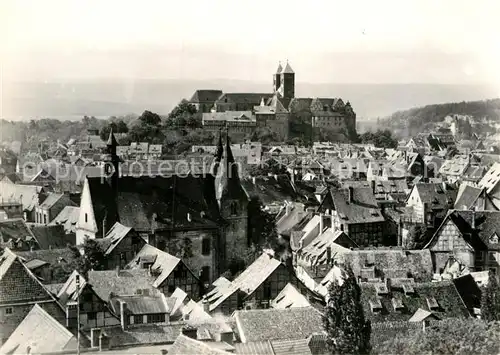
(280, 68)
(111, 140)
(288, 69)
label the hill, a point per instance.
(116, 97)
(484, 117)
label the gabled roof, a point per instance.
(205, 96)
(14, 230)
(434, 195)
(113, 237)
(69, 292)
(164, 262)
(141, 304)
(51, 236)
(491, 179)
(67, 218)
(278, 324)
(289, 297)
(51, 200)
(420, 315)
(40, 333)
(362, 209)
(17, 283)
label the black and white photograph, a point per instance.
(249, 177)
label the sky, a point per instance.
(372, 41)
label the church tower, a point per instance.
(112, 161)
(277, 78)
(232, 201)
(287, 82)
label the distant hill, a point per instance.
(101, 98)
(484, 117)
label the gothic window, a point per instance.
(86, 217)
(205, 246)
(234, 208)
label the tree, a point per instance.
(150, 118)
(417, 236)
(490, 300)
(92, 258)
(104, 132)
(121, 126)
(381, 139)
(184, 114)
(347, 330)
(449, 336)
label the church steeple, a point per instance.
(277, 78)
(226, 171)
(112, 159)
(287, 82)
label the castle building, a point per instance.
(278, 110)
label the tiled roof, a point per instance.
(455, 166)
(50, 200)
(491, 178)
(278, 324)
(163, 262)
(39, 332)
(141, 304)
(52, 256)
(291, 347)
(54, 288)
(393, 263)
(16, 229)
(185, 345)
(68, 292)
(270, 189)
(442, 296)
(467, 196)
(243, 98)
(486, 226)
(420, 315)
(254, 348)
(51, 236)
(435, 195)
(17, 283)
(256, 273)
(124, 282)
(316, 251)
(289, 297)
(35, 264)
(113, 237)
(67, 218)
(474, 172)
(205, 96)
(362, 209)
(28, 195)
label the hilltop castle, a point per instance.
(279, 110)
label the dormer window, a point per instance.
(432, 303)
(408, 289)
(397, 304)
(375, 305)
(382, 289)
(494, 239)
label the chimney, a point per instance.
(123, 315)
(94, 337)
(321, 224)
(206, 306)
(190, 332)
(400, 232)
(443, 185)
(329, 255)
(405, 155)
(351, 194)
(473, 221)
(373, 186)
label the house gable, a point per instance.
(448, 238)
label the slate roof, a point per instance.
(474, 173)
(205, 96)
(443, 295)
(434, 195)
(17, 283)
(362, 209)
(126, 282)
(68, 218)
(287, 69)
(186, 345)
(137, 199)
(277, 324)
(16, 229)
(52, 256)
(467, 196)
(163, 261)
(392, 263)
(51, 236)
(39, 332)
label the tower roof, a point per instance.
(226, 171)
(288, 69)
(111, 140)
(280, 68)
